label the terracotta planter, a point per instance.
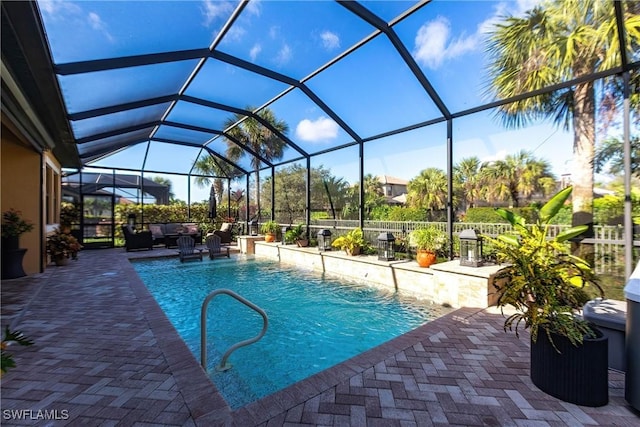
(353, 252)
(302, 243)
(425, 258)
(269, 237)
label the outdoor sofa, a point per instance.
(133, 239)
(168, 232)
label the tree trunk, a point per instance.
(583, 153)
(582, 164)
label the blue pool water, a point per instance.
(315, 322)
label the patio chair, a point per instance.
(136, 239)
(225, 233)
(187, 248)
(215, 249)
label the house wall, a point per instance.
(21, 190)
(30, 182)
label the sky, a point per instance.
(371, 89)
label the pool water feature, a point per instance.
(315, 322)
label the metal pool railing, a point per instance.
(223, 366)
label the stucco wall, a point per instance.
(20, 184)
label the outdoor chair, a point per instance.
(225, 233)
(187, 248)
(136, 239)
(215, 249)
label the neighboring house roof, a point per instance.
(392, 180)
(599, 192)
(400, 200)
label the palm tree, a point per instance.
(466, 177)
(428, 190)
(207, 165)
(165, 181)
(517, 177)
(373, 193)
(609, 156)
(554, 42)
(254, 135)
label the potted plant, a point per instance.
(545, 284)
(69, 216)
(351, 242)
(13, 225)
(62, 246)
(297, 235)
(427, 241)
(270, 230)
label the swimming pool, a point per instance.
(315, 322)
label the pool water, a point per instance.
(315, 322)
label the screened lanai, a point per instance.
(344, 93)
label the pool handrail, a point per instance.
(223, 366)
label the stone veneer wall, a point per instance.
(443, 283)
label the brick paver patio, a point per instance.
(106, 355)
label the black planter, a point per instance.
(576, 375)
(11, 243)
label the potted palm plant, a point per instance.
(270, 230)
(427, 241)
(297, 235)
(545, 284)
(351, 242)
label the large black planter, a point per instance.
(577, 374)
(12, 258)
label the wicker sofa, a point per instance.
(167, 233)
(136, 239)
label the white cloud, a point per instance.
(274, 31)
(317, 130)
(215, 9)
(255, 50)
(284, 55)
(253, 7)
(99, 25)
(435, 45)
(500, 155)
(54, 8)
(330, 40)
(235, 33)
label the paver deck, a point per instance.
(105, 355)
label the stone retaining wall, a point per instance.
(443, 283)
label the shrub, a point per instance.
(488, 215)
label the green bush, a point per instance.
(488, 215)
(398, 213)
(608, 210)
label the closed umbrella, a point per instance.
(212, 203)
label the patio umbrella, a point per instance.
(212, 203)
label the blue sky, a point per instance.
(371, 89)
